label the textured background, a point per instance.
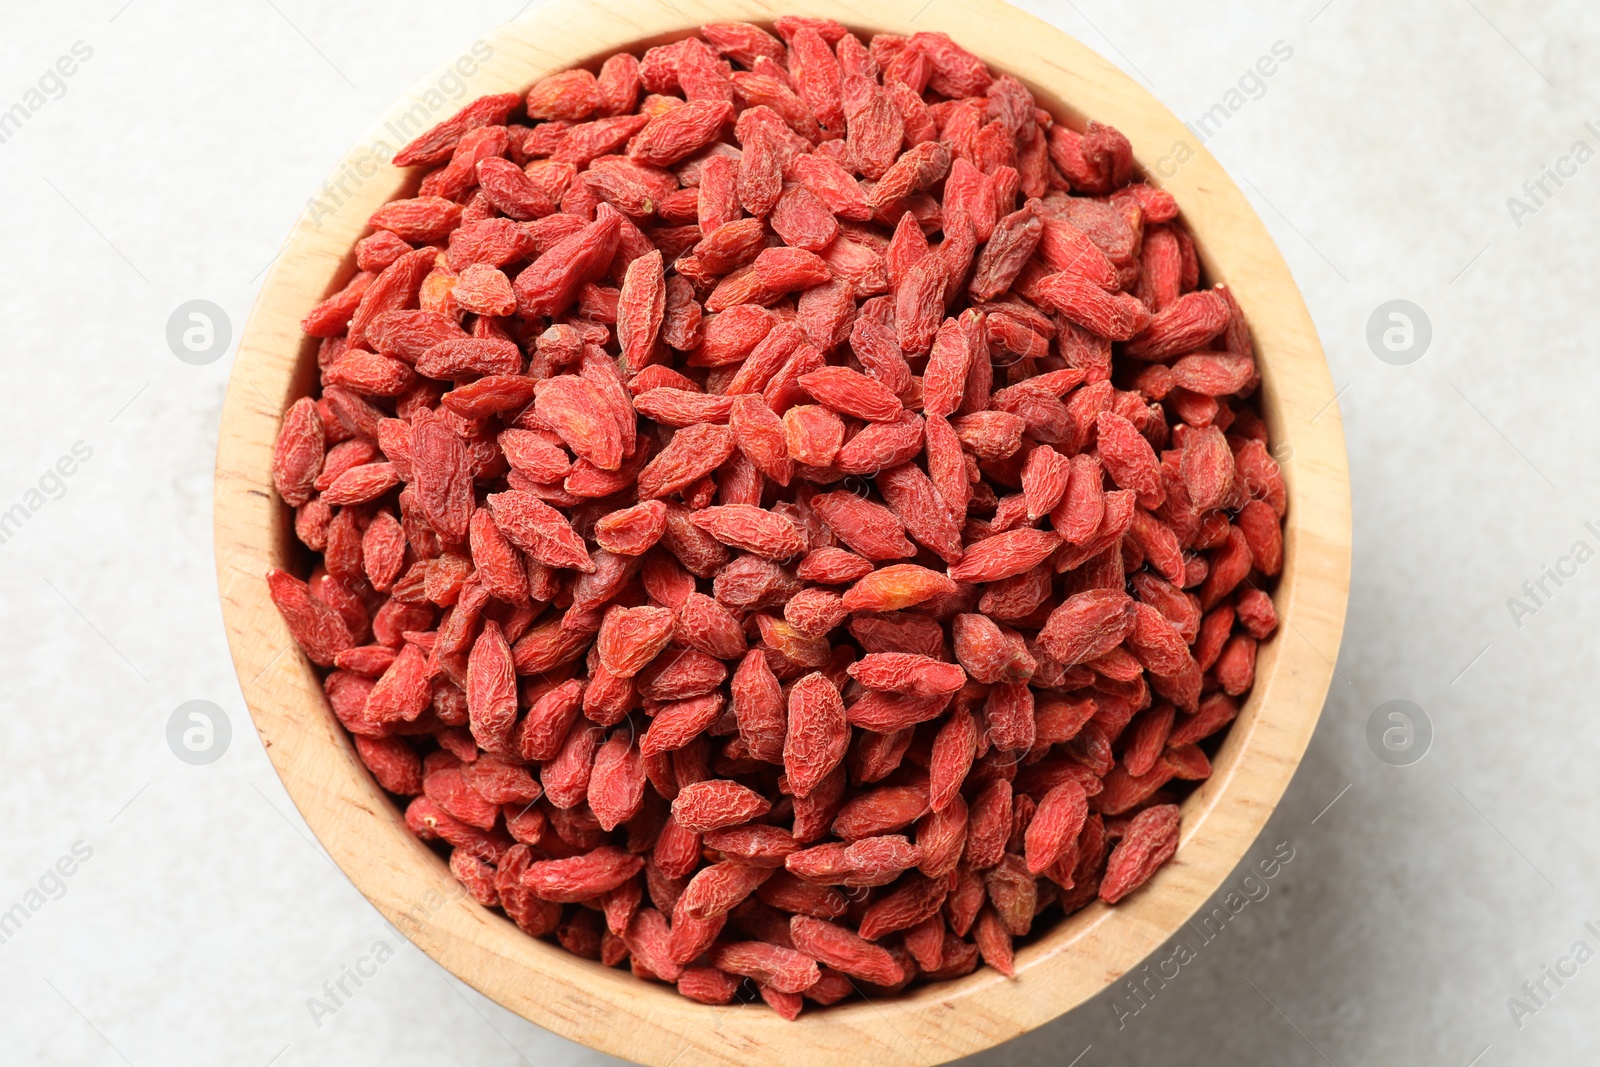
(1381, 155)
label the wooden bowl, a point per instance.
(610, 1009)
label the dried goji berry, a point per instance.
(701, 373)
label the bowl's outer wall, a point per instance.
(610, 1009)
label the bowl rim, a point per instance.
(610, 1010)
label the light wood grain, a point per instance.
(609, 1009)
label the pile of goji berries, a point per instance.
(743, 585)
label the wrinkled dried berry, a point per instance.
(787, 510)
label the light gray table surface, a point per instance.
(200, 918)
